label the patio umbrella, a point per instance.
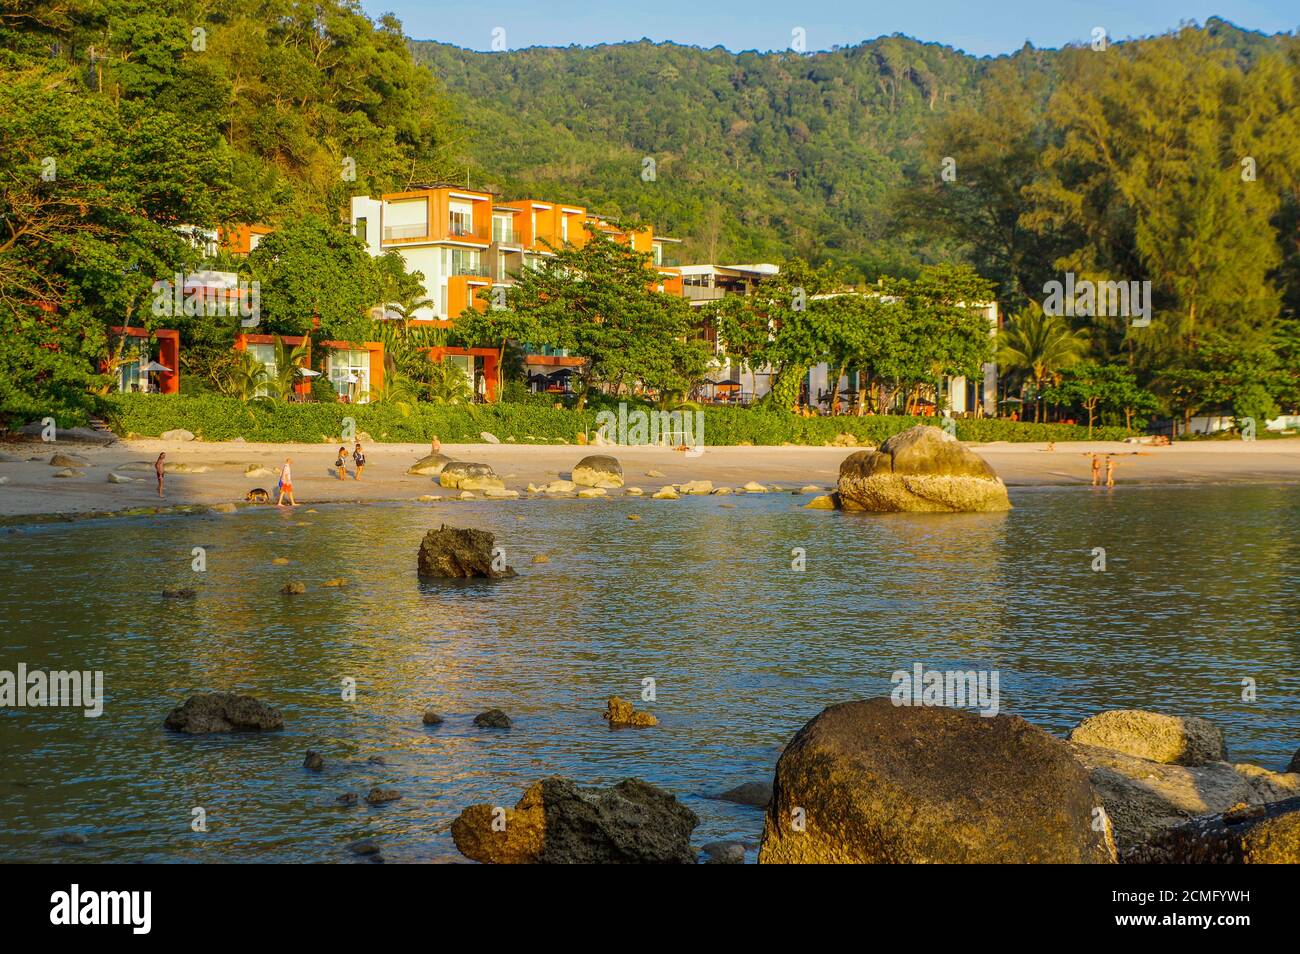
(308, 372)
(1011, 400)
(154, 366)
(562, 373)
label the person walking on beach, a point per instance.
(340, 464)
(158, 469)
(358, 458)
(1096, 470)
(286, 485)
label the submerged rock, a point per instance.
(180, 593)
(756, 794)
(431, 717)
(314, 761)
(492, 719)
(380, 796)
(293, 589)
(223, 712)
(620, 713)
(557, 822)
(453, 553)
(1244, 835)
(598, 470)
(1172, 740)
(921, 470)
(874, 782)
(724, 853)
(821, 502)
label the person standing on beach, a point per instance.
(436, 446)
(358, 458)
(340, 464)
(1111, 464)
(158, 469)
(286, 485)
(1096, 470)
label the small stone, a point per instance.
(492, 719)
(293, 589)
(335, 582)
(377, 760)
(379, 796)
(347, 799)
(178, 434)
(431, 717)
(620, 713)
(489, 437)
(724, 853)
(653, 473)
(366, 846)
(541, 558)
(180, 593)
(314, 761)
(281, 561)
(752, 487)
(120, 479)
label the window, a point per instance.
(265, 354)
(564, 228)
(360, 229)
(462, 218)
(465, 261)
(349, 372)
(501, 229)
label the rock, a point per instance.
(586, 493)
(72, 838)
(724, 853)
(654, 473)
(379, 796)
(4, 480)
(179, 593)
(492, 719)
(431, 717)
(314, 761)
(180, 467)
(1294, 765)
(177, 434)
(1172, 740)
(541, 558)
(68, 460)
(822, 502)
(753, 487)
(430, 466)
(69, 472)
(809, 489)
(75, 435)
(620, 713)
(257, 470)
(664, 493)
(696, 487)
(496, 493)
(335, 582)
(223, 508)
(463, 475)
(280, 561)
(720, 491)
(633, 516)
(223, 712)
(1143, 798)
(1244, 835)
(465, 495)
(560, 487)
(366, 846)
(633, 492)
(921, 470)
(557, 822)
(120, 478)
(293, 589)
(347, 799)
(453, 553)
(428, 498)
(489, 437)
(756, 794)
(874, 782)
(598, 470)
(377, 760)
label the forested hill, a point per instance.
(758, 155)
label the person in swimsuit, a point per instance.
(436, 446)
(158, 466)
(286, 485)
(340, 464)
(1096, 470)
(358, 458)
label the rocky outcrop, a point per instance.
(620, 713)
(223, 712)
(177, 434)
(1172, 740)
(453, 553)
(1295, 762)
(871, 782)
(598, 470)
(463, 475)
(68, 460)
(1143, 798)
(696, 487)
(430, 466)
(492, 719)
(1244, 835)
(921, 470)
(557, 822)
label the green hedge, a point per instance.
(215, 418)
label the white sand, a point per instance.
(32, 488)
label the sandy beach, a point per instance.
(32, 489)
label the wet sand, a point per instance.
(32, 489)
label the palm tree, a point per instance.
(287, 362)
(446, 383)
(1040, 346)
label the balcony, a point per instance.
(418, 230)
(668, 262)
(702, 293)
(506, 237)
(472, 271)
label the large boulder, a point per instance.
(1172, 740)
(464, 475)
(872, 782)
(430, 466)
(598, 470)
(452, 553)
(557, 822)
(1244, 835)
(223, 712)
(177, 434)
(921, 470)
(1143, 798)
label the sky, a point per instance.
(978, 28)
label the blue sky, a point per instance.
(977, 28)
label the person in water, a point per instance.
(340, 464)
(1096, 470)
(286, 485)
(358, 458)
(158, 469)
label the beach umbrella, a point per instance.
(1011, 400)
(308, 372)
(154, 366)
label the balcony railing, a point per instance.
(702, 293)
(506, 237)
(419, 230)
(473, 271)
(460, 230)
(669, 262)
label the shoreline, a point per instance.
(32, 492)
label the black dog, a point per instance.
(257, 495)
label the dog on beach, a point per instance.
(257, 495)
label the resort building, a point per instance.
(149, 361)
(354, 370)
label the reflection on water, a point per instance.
(1202, 589)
